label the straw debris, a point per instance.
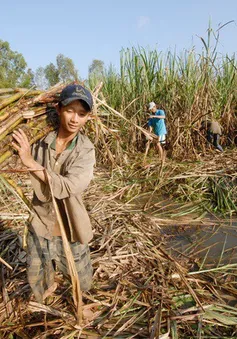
(144, 286)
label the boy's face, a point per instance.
(153, 109)
(72, 117)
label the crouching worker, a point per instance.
(68, 157)
(213, 133)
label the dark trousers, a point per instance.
(41, 256)
(214, 139)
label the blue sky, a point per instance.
(87, 30)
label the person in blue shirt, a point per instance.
(156, 124)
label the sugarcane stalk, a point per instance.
(17, 96)
(13, 110)
(76, 290)
(5, 156)
(33, 123)
(49, 95)
(14, 90)
(10, 100)
(5, 263)
(10, 125)
(6, 90)
(43, 127)
(12, 185)
(3, 97)
(5, 113)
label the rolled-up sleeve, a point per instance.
(76, 178)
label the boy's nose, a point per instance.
(75, 117)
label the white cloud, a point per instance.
(143, 21)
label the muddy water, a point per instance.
(215, 245)
(212, 241)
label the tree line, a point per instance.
(14, 71)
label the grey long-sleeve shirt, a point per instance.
(70, 174)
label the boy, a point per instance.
(68, 157)
(156, 123)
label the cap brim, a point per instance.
(69, 100)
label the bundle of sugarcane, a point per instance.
(26, 109)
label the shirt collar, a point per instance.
(50, 137)
(69, 147)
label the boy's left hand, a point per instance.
(23, 147)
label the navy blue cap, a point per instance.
(75, 92)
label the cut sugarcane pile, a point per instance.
(140, 290)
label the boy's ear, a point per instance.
(57, 108)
